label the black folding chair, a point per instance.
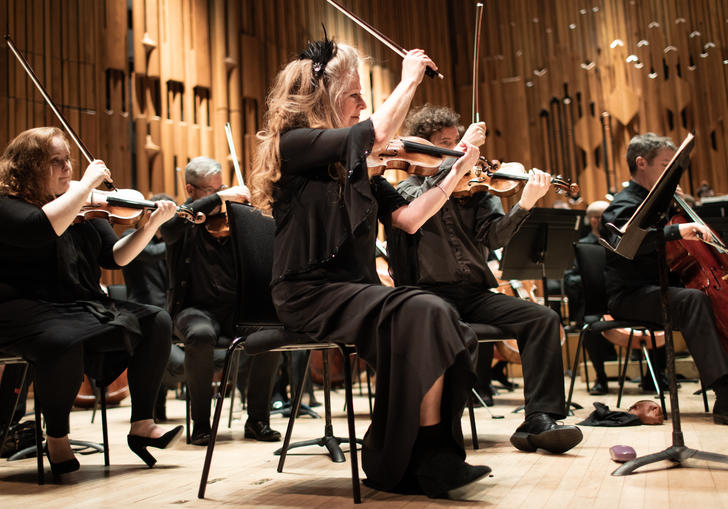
(592, 261)
(260, 331)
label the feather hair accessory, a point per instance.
(320, 53)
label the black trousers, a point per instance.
(57, 382)
(600, 350)
(201, 332)
(535, 327)
(690, 312)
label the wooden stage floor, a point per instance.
(244, 472)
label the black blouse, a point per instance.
(324, 230)
(36, 263)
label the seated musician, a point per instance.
(310, 171)
(597, 345)
(633, 285)
(53, 309)
(202, 302)
(450, 261)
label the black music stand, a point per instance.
(542, 248)
(630, 237)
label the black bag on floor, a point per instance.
(20, 436)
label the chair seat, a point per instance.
(486, 332)
(266, 340)
(641, 331)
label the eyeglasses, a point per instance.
(209, 189)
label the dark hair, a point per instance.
(647, 146)
(24, 165)
(428, 119)
(161, 196)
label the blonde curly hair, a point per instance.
(298, 99)
(24, 165)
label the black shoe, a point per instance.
(442, 471)
(139, 445)
(260, 430)
(64, 467)
(647, 385)
(720, 413)
(200, 435)
(540, 431)
(599, 388)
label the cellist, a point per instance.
(633, 285)
(447, 257)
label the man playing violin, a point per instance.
(633, 285)
(202, 302)
(52, 309)
(448, 257)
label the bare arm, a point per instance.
(412, 216)
(390, 115)
(127, 248)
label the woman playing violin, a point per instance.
(310, 170)
(449, 257)
(53, 311)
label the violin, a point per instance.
(217, 225)
(504, 179)
(127, 207)
(414, 155)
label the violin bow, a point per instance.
(31, 74)
(233, 154)
(379, 36)
(475, 114)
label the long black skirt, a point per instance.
(41, 331)
(410, 337)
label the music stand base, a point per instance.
(331, 443)
(676, 454)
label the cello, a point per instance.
(702, 265)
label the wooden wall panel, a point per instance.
(548, 71)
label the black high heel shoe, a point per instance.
(63, 467)
(139, 445)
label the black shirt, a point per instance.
(453, 244)
(623, 274)
(146, 276)
(38, 264)
(201, 267)
(326, 230)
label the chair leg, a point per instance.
(294, 412)
(705, 395)
(104, 426)
(352, 430)
(369, 392)
(473, 429)
(652, 372)
(187, 411)
(567, 410)
(623, 374)
(38, 440)
(232, 389)
(220, 400)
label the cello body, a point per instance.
(702, 267)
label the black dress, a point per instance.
(53, 312)
(325, 284)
